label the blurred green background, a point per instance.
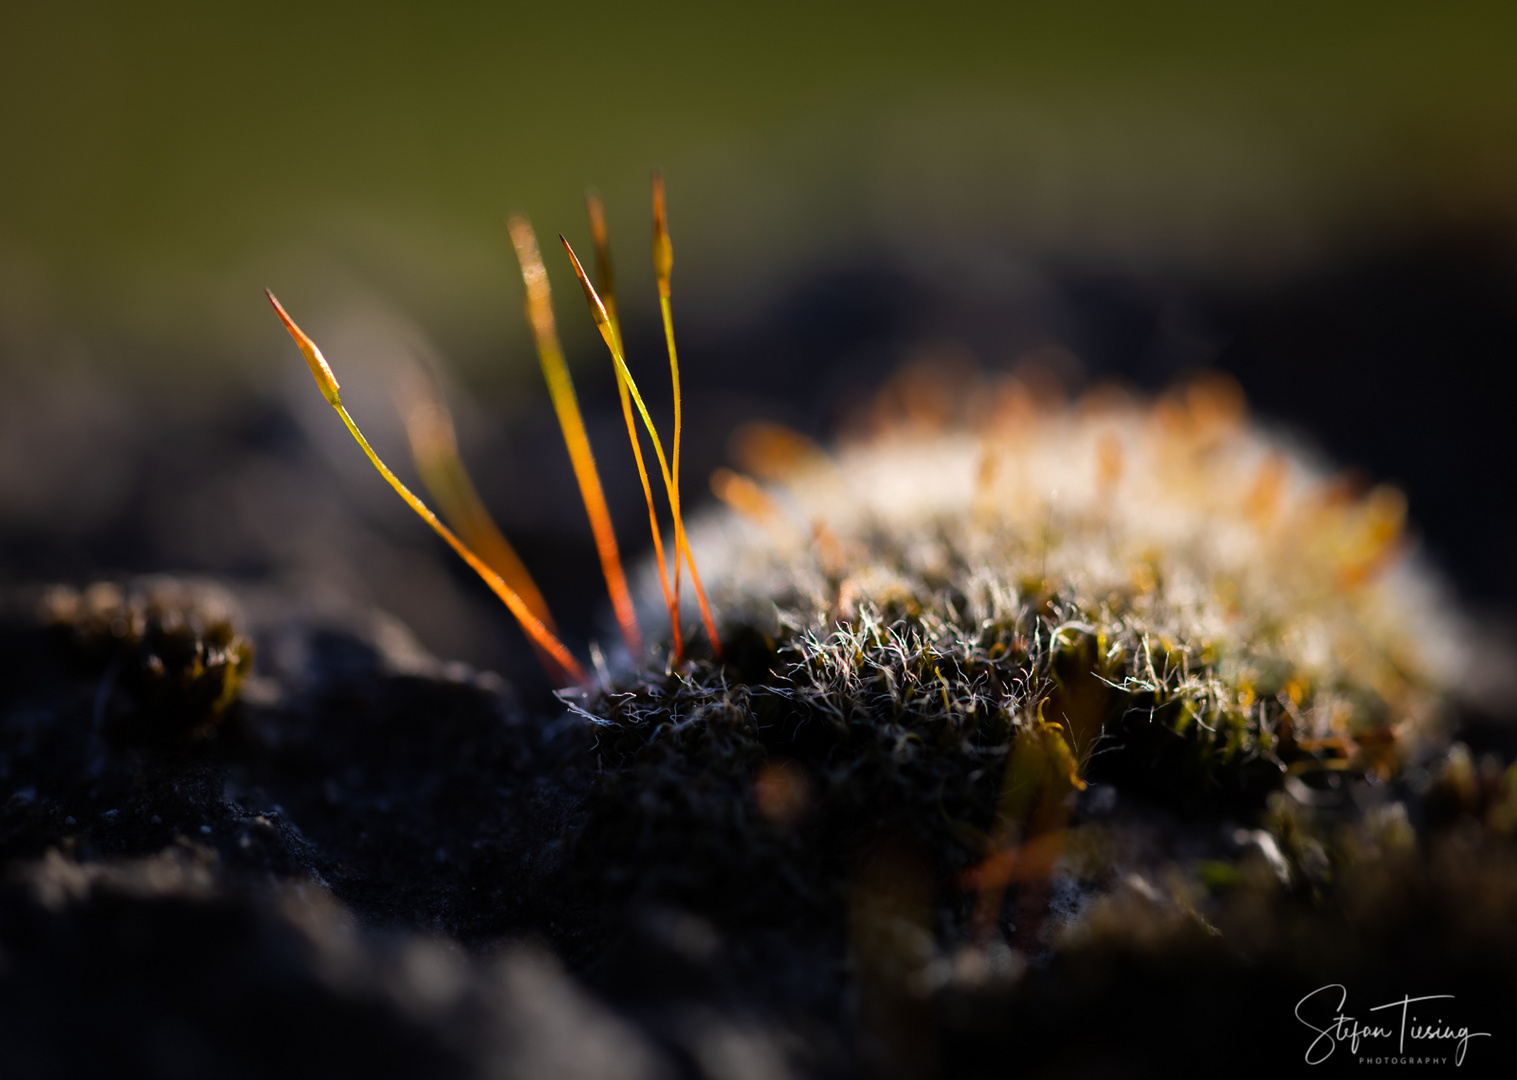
(165, 161)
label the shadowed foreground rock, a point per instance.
(378, 865)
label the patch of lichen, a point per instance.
(172, 646)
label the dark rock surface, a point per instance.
(380, 865)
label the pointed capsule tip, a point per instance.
(578, 268)
(320, 370)
(663, 248)
(660, 214)
(597, 308)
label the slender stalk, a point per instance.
(663, 264)
(530, 623)
(597, 214)
(561, 389)
(434, 450)
(613, 342)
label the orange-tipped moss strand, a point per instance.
(1021, 863)
(663, 265)
(772, 451)
(747, 498)
(606, 276)
(434, 450)
(663, 261)
(326, 382)
(561, 389)
(603, 324)
(530, 623)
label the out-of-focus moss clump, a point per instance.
(172, 646)
(1054, 661)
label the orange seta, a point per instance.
(530, 623)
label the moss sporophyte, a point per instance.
(984, 600)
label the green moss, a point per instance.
(962, 672)
(172, 646)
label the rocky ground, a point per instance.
(373, 861)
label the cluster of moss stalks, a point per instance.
(938, 637)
